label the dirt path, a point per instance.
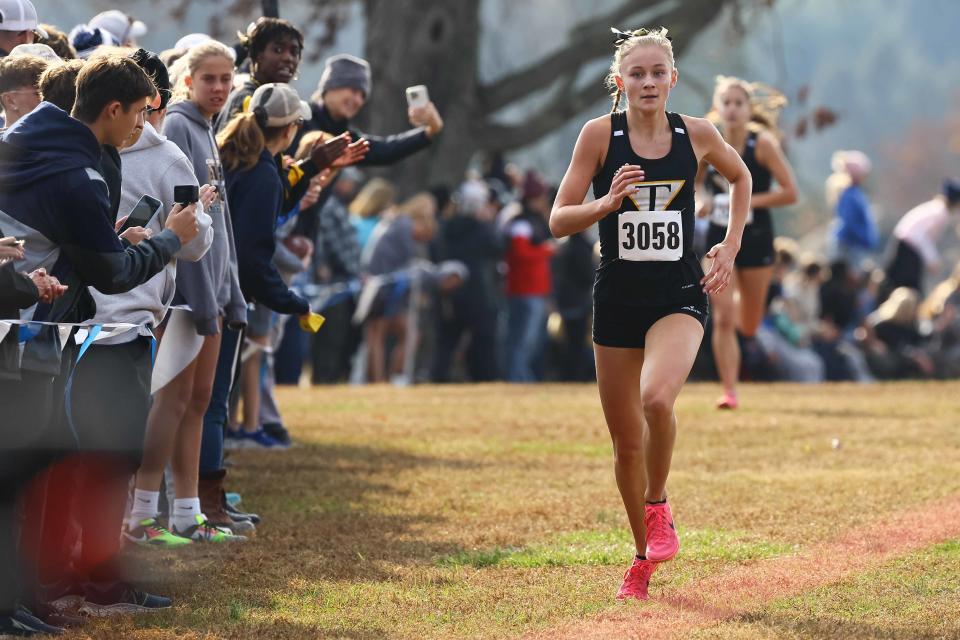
(676, 612)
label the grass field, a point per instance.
(491, 512)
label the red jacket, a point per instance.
(528, 257)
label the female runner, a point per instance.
(746, 115)
(650, 293)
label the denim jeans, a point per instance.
(526, 319)
(215, 419)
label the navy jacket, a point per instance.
(52, 196)
(256, 198)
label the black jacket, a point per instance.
(479, 246)
(384, 150)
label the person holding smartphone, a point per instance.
(343, 90)
(53, 197)
(110, 394)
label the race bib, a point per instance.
(651, 236)
(720, 214)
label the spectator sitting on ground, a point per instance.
(942, 310)
(794, 322)
(893, 342)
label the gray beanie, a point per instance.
(345, 71)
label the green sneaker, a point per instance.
(203, 531)
(149, 533)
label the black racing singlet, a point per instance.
(646, 247)
(760, 229)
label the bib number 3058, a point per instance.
(651, 236)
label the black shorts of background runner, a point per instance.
(756, 248)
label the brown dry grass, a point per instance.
(391, 518)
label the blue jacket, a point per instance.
(856, 226)
(52, 196)
(256, 198)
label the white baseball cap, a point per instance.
(19, 15)
(192, 40)
(280, 103)
(36, 49)
(119, 25)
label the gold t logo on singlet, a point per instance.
(652, 233)
(656, 195)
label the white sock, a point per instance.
(146, 504)
(185, 512)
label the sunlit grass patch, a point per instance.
(614, 547)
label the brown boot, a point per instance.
(211, 503)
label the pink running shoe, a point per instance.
(636, 580)
(727, 401)
(662, 540)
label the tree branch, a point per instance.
(569, 102)
(592, 39)
(564, 106)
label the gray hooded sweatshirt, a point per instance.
(153, 166)
(210, 287)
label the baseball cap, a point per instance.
(38, 50)
(280, 103)
(192, 40)
(119, 25)
(19, 15)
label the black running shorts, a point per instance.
(624, 326)
(756, 246)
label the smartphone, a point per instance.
(417, 96)
(142, 212)
(186, 194)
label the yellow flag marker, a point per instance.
(311, 322)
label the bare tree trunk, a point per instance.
(430, 42)
(270, 8)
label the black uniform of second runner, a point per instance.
(756, 248)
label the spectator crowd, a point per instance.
(180, 232)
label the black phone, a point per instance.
(186, 194)
(142, 212)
